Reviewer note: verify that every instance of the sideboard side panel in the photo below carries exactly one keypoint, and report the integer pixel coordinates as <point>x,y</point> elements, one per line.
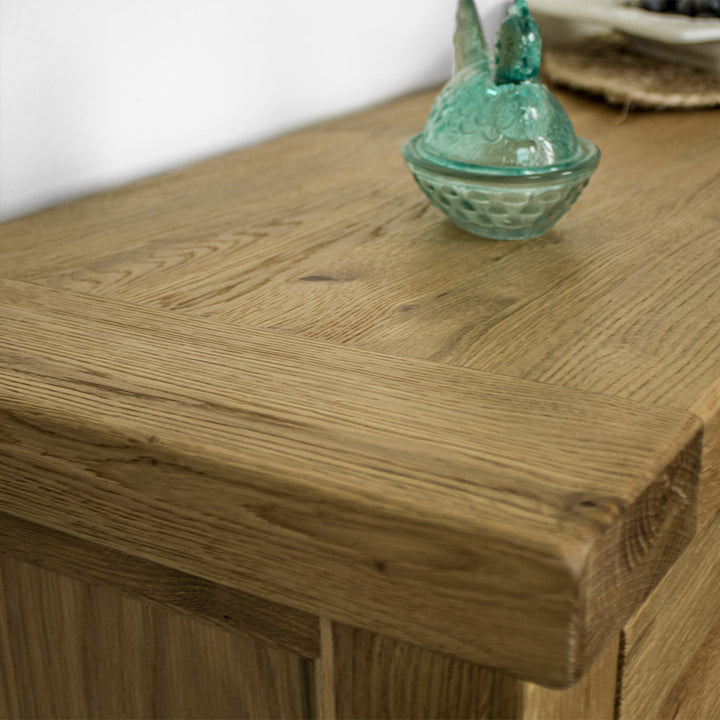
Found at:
<point>377,677</point>
<point>592,697</point>
<point>674,630</point>
<point>695,693</point>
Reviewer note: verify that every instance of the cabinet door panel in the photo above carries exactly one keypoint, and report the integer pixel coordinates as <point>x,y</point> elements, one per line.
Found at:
<point>72,650</point>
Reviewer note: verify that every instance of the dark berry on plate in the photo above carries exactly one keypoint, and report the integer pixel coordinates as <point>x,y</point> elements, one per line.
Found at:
<point>687,7</point>
<point>694,8</point>
<point>656,5</point>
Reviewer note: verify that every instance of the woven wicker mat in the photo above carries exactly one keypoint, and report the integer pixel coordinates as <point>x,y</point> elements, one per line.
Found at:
<point>609,67</point>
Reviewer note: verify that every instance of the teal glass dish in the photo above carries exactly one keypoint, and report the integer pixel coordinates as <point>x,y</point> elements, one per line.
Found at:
<point>498,155</point>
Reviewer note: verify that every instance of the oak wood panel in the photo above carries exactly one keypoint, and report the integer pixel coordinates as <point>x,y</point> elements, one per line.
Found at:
<point>354,247</point>
<point>511,523</point>
<point>176,205</point>
<point>102,566</point>
<point>71,650</point>
<point>376,677</point>
<point>606,289</point>
<point>591,698</point>
<point>324,234</point>
<point>245,196</point>
<point>673,634</point>
<point>696,693</point>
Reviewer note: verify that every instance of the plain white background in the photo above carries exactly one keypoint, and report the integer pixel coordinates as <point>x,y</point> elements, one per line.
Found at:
<point>96,93</point>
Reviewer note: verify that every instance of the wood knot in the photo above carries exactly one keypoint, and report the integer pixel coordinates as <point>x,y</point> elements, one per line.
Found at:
<point>319,278</point>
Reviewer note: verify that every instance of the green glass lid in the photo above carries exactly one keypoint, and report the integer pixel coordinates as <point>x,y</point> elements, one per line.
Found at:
<point>497,113</point>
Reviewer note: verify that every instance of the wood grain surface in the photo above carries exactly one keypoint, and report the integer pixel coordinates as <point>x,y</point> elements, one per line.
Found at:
<point>695,694</point>
<point>511,523</point>
<point>671,648</point>
<point>379,678</point>
<point>592,698</point>
<point>177,393</point>
<point>324,234</point>
<point>101,566</point>
<point>71,650</point>
<point>376,677</point>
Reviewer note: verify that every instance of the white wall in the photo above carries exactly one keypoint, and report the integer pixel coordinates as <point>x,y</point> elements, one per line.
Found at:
<point>95,93</point>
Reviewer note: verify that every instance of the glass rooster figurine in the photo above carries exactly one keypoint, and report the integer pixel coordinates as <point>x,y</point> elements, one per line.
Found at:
<point>498,154</point>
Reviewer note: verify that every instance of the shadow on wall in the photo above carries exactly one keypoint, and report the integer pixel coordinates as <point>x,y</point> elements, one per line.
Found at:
<point>97,94</point>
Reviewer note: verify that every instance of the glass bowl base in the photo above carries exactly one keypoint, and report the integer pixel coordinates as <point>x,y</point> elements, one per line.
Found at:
<point>498,213</point>
<point>503,206</point>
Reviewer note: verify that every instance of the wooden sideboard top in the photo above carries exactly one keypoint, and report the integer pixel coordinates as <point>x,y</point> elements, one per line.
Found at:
<point>282,372</point>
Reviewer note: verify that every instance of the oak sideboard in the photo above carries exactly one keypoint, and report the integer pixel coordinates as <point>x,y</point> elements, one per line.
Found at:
<point>279,441</point>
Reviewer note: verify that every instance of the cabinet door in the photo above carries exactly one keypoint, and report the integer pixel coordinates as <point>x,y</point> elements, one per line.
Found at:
<point>69,649</point>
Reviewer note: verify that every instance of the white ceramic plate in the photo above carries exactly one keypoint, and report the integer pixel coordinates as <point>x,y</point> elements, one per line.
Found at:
<point>659,27</point>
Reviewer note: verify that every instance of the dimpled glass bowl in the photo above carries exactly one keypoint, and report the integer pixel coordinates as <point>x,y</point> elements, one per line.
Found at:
<point>492,203</point>
<point>498,155</point>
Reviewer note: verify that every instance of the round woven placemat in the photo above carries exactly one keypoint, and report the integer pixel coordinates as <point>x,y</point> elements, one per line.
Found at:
<point>608,66</point>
